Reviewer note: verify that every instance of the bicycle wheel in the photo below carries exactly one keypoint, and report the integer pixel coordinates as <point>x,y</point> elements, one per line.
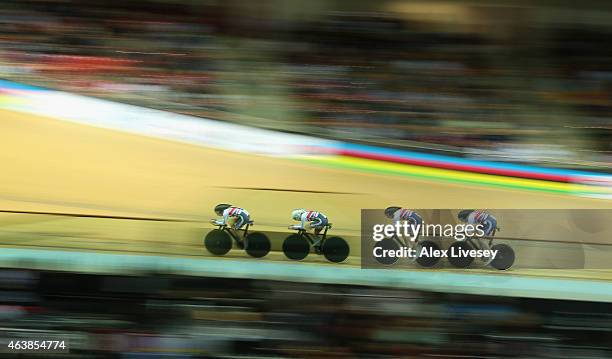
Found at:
<point>295,247</point>
<point>387,244</point>
<point>257,244</point>
<point>427,261</point>
<point>335,249</point>
<point>459,261</point>
<point>218,242</point>
<point>504,258</point>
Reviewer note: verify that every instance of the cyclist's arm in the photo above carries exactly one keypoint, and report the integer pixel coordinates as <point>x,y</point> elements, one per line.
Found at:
<point>303,220</point>
<point>225,216</point>
<point>396,216</point>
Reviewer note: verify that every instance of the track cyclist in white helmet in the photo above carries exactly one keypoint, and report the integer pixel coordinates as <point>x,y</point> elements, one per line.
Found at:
<point>309,220</point>
<point>232,216</point>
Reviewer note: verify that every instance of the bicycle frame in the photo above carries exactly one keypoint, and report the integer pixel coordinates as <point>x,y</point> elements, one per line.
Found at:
<point>232,232</point>
<point>475,242</point>
<point>311,237</point>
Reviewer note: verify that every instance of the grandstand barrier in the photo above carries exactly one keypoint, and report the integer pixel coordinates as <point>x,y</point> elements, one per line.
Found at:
<point>434,281</point>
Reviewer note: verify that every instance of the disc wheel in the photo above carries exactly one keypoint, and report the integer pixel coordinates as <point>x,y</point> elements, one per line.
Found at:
<point>427,260</point>
<point>295,247</point>
<point>218,242</point>
<point>504,258</point>
<point>257,244</point>
<point>335,249</point>
<point>459,261</point>
<point>387,244</point>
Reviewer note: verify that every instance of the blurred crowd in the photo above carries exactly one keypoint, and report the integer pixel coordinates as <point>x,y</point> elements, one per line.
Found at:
<point>159,316</point>
<point>521,83</point>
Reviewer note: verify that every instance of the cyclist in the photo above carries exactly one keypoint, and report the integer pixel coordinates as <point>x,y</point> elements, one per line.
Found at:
<point>398,214</point>
<point>479,217</point>
<point>489,227</point>
<point>232,216</point>
<point>309,220</point>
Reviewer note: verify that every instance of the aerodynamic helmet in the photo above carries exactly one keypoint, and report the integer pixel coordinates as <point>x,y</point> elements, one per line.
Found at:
<point>464,214</point>
<point>296,214</point>
<point>221,207</point>
<point>389,211</point>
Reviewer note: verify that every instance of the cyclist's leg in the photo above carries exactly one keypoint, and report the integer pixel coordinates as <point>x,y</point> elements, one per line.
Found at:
<point>484,243</point>
<point>231,226</point>
<point>316,225</point>
<point>241,220</point>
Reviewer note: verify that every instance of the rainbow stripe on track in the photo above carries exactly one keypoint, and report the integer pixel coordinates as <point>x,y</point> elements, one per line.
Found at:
<point>456,176</point>
<point>468,165</point>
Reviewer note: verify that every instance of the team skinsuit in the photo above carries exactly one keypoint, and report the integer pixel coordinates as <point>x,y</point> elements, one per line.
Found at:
<point>479,217</point>
<point>404,214</point>
<point>316,220</point>
<point>399,214</point>
<point>488,223</point>
<point>234,217</point>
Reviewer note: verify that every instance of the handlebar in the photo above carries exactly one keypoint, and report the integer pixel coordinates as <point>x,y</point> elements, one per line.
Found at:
<point>214,221</point>
<point>296,227</point>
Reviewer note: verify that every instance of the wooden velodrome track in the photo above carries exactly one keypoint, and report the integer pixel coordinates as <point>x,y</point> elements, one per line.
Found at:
<point>51,166</point>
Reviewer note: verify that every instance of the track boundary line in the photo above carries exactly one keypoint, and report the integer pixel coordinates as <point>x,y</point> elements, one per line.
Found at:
<point>287,190</point>
<point>84,215</point>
